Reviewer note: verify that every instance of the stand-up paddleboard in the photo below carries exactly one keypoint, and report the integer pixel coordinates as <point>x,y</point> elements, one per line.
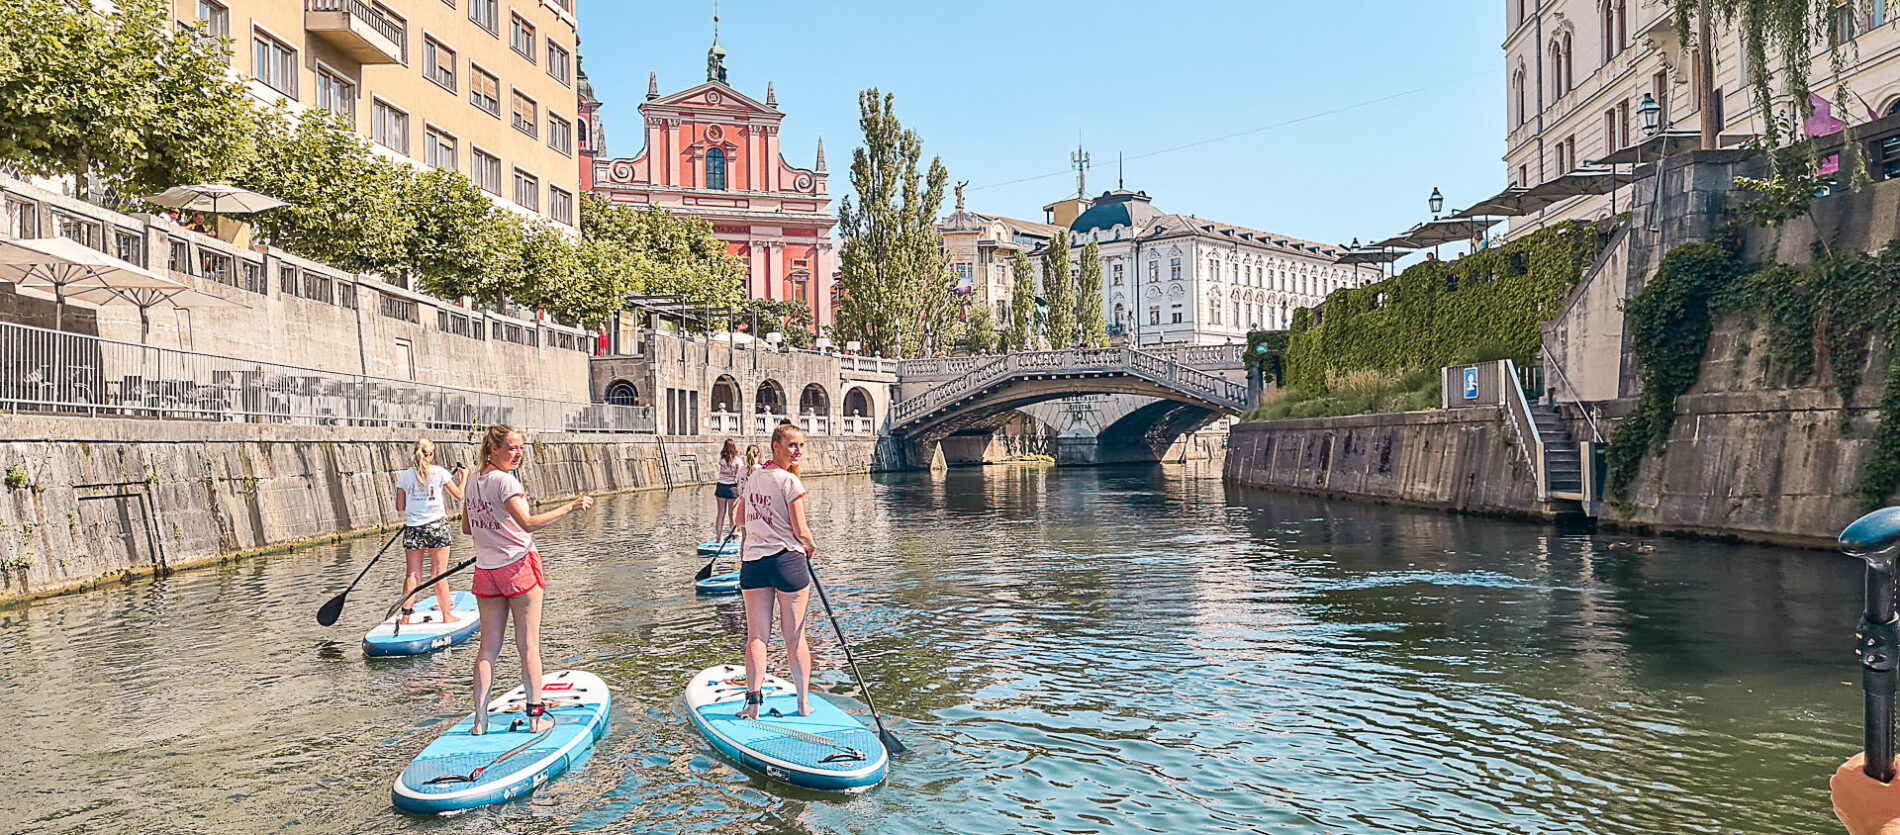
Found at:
<point>458,771</point>
<point>714,546</point>
<point>727,583</point>
<point>427,630</point>
<point>830,749</point>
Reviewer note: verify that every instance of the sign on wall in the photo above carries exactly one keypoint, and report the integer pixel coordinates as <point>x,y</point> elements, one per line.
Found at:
<point>1471,384</point>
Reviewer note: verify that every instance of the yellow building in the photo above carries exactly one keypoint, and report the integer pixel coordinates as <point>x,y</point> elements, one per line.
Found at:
<point>485,87</point>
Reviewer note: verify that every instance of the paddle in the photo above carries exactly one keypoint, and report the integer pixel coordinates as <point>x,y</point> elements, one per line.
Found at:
<point>327,615</point>
<point>706,570</point>
<point>424,586</point>
<point>477,773</point>
<point>1873,538</point>
<point>890,742</point>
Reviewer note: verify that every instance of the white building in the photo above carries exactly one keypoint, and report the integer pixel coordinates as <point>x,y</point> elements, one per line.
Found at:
<point>1170,278</point>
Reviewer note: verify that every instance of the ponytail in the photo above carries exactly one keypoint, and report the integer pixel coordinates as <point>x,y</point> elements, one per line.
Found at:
<point>425,450</point>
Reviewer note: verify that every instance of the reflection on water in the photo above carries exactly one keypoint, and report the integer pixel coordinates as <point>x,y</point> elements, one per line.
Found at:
<point>1072,651</point>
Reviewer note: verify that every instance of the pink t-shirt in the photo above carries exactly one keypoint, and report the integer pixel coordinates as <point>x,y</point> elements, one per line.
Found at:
<point>768,495</point>
<point>499,540</point>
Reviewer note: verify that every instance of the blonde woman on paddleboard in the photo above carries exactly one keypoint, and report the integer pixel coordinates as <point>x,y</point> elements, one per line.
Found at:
<point>508,577</point>
<point>774,571</point>
<point>425,529</point>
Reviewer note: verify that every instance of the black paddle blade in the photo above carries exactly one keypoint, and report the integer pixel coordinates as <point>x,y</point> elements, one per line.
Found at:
<point>327,615</point>
<point>705,570</point>
<point>890,743</point>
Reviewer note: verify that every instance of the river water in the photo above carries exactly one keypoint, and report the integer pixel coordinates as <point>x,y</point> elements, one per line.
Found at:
<point>1107,650</point>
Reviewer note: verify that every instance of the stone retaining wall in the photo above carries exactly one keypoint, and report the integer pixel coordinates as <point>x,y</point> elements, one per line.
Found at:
<point>88,500</point>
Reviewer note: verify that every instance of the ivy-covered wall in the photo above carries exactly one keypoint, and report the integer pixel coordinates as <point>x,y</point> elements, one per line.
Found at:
<point>1493,301</point>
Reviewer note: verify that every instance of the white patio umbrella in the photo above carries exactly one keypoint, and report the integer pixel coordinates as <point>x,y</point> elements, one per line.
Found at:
<point>69,270</point>
<point>216,198</point>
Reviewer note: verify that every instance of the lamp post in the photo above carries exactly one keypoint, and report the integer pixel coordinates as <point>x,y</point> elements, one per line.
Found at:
<point>1437,202</point>
<point>1652,126</point>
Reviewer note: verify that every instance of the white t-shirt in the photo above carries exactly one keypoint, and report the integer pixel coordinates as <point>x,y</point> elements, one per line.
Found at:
<point>499,540</point>
<point>424,501</point>
<point>768,497</point>
<point>729,471</point>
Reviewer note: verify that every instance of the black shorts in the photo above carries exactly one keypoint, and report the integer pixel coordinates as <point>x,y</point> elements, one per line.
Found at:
<point>726,491</point>
<point>786,571</point>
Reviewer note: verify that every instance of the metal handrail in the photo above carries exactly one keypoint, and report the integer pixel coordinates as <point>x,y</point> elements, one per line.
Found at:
<point>1512,394</point>
<point>1550,361</point>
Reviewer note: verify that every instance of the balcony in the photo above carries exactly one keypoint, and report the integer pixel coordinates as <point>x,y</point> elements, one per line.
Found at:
<point>357,29</point>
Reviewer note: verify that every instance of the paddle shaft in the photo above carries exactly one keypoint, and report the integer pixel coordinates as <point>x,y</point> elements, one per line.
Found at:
<point>1877,641</point>
<point>883,734</point>
<point>426,584</point>
<point>372,561</point>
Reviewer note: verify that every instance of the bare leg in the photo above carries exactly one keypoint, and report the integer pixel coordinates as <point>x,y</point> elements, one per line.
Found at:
<point>758,631</point>
<point>527,611</point>
<point>791,618</point>
<point>719,521</point>
<point>438,563</point>
<point>412,578</point>
<point>494,631</point>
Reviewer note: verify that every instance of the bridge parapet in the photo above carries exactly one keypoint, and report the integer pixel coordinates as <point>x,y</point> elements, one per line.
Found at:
<point>1215,391</point>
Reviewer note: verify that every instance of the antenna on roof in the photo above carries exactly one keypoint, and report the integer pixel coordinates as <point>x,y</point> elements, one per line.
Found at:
<point>1118,172</point>
<point>1080,162</point>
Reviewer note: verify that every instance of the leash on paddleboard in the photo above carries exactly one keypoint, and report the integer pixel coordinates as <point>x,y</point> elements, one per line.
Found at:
<point>706,570</point>
<point>890,742</point>
<point>1873,538</point>
<point>328,613</point>
<point>426,584</point>
<point>477,773</point>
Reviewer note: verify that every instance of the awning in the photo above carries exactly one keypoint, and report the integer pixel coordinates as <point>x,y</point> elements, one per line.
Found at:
<point>1448,230</point>
<point>1672,142</point>
<point>70,271</point>
<point>1369,256</point>
<point>1583,181</point>
<point>1510,202</point>
<point>1403,240</point>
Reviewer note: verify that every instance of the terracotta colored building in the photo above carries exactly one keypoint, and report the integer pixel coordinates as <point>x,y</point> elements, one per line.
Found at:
<point>713,152</point>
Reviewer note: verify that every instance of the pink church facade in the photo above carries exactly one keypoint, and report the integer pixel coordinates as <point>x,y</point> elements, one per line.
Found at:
<point>713,152</point>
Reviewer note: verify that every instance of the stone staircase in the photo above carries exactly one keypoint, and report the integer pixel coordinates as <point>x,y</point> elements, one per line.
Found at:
<point>1563,458</point>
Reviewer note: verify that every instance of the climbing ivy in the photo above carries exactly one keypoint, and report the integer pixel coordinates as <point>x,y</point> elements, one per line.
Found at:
<point>1493,301</point>
<point>1271,362</point>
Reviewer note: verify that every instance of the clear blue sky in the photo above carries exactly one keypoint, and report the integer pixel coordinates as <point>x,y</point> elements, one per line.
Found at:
<point>1392,97</point>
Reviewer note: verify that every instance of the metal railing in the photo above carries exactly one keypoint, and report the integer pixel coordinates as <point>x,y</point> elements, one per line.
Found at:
<point>55,372</point>
<point>1550,362</point>
<point>1518,410</point>
<point>1156,369</point>
<point>357,8</point>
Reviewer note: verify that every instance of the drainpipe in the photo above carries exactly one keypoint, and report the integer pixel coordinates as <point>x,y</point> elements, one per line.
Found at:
<point>1537,50</point>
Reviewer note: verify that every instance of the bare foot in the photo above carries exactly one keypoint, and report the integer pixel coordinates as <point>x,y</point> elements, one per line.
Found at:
<point>540,723</point>
<point>480,727</point>
<point>750,712</point>
<point>804,706</point>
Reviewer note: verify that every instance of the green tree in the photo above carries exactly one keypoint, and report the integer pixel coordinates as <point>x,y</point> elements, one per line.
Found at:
<point>678,254</point>
<point>892,271</point>
<point>1058,291</point>
<point>346,206</point>
<point>790,317</point>
<point>1778,39</point>
<point>981,329</point>
<point>1021,335</point>
<point>126,97</point>
<point>1090,320</point>
<point>450,244</point>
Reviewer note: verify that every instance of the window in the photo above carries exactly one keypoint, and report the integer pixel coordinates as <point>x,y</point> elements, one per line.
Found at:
<point>390,128</point>
<point>525,109</point>
<point>177,256</point>
<point>557,62</point>
<point>1154,271</point>
<point>1517,97</point>
<point>215,265</point>
<point>287,280</point>
<point>560,135</point>
<point>484,13</point>
<point>1615,28</point>
<point>397,308</point>
<point>486,170</point>
<point>1846,21</point>
<point>1154,315</point>
<point>1175,315</point>
<point>716,169</point>
<point>1117,271</point>
<point>1174,269</point>
<point>484,90</point>
<point>527,190</point>
<point>561,206</point>
<point>129,246</point>
<point>346,295</point>
<point>274,64</point>
<point>581,125</point>
<point>1524,176</point>
<point>521,36</point>
<point>23,219</point>
<point>336,95</point>
<point>254,279</point>
<point>439,149</point>
<point>438,63</point>
<point>1609,131</point>
<point>1623,124</point>
<point>216,20</point>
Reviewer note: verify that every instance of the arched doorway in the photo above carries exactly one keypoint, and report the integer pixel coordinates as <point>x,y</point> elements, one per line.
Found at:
<point>814,409</point>
<point>770,399</point>
<point>725,415</point>
<point>859,415</point>
<point>622,393</point>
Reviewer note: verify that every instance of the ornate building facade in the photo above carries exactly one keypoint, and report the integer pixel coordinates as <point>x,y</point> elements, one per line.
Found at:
<point>713,152</point>
<point>982,249</point>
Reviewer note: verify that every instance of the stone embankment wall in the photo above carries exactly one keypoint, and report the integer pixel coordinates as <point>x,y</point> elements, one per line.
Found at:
<point>1463,460</point>
<point>92,500</point>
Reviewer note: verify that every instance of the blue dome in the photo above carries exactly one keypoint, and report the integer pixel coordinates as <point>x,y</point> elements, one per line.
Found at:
<point>1116,208</point>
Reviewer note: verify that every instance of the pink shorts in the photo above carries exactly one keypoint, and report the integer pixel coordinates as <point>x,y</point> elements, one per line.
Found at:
<point>516,578</point>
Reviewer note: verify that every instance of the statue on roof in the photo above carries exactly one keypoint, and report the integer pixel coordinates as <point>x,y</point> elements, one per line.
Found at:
<point>960,185</point>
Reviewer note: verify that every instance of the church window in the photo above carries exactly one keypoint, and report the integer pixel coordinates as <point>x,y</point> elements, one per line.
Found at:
<point>1154,270</point>
<point>716,169</point>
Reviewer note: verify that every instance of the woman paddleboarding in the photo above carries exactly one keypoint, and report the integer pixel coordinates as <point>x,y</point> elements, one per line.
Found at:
<point>773,567</point>
<point>508,576</point>
<point>425,531</point>
<point>727,490</point>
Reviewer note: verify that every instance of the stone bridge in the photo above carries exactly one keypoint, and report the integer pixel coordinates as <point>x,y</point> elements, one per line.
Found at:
<point>1174,391</point>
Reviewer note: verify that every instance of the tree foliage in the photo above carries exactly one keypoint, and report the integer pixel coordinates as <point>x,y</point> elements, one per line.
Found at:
<point>980,329</point>
<point>678,253</point>
<point>126,97</point>
<point>790,317</point>
<point>1091,319</point>
<point>346,204</point>
<point>1058,292</point>
<point>892,273</point>
<point>1778,41</point>
<point>1021,335</point>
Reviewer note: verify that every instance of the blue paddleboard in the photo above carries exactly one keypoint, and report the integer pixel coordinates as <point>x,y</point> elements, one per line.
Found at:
<point>426,631</point>
<point>713,546</point>
<point>829,750</point>
<point>458,771</point>
<point>727,583</point>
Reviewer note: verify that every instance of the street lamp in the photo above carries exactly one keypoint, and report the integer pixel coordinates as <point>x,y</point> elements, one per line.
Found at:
<point>1651,113</point>
<point>1437,202</point>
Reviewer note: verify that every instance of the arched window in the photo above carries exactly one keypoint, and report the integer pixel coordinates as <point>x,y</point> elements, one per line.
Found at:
<point>1893,108</point>
<point>582,133</point>
<point>716,169</point>
<point>1556,70</point>
<point>622,393</point>
<point>1570,64</point>
<point>1517,96</point>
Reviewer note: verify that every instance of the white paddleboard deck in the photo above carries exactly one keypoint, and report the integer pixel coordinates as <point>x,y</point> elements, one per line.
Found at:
<point>427,630</point>
<point>829,750</point>
<point>444,777</point>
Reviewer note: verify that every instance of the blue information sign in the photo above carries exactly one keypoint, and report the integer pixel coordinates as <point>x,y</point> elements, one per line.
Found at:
<point>1471,384</point>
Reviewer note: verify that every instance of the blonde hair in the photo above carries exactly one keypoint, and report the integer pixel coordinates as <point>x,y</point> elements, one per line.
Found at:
<point>495,438</point>
<point>425,450</point>
<point>751,457</point>
<point>778,435</point>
